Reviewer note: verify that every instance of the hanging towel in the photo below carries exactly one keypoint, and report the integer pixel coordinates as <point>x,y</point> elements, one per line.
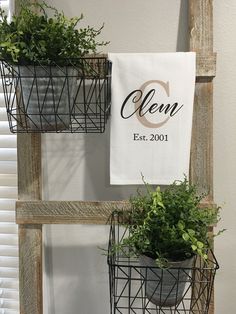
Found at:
<point>151,116</point>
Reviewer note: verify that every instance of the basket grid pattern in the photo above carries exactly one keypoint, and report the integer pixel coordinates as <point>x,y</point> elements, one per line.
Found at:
<point>130,282</point>
<point>64,96</point>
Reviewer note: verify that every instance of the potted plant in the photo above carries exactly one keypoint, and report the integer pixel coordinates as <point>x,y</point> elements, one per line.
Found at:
<point>167,229</point>
<point>44,48</point>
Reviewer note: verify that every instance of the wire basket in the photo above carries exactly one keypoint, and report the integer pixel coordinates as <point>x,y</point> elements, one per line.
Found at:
<point>139,288</point>
<point>64,96</point>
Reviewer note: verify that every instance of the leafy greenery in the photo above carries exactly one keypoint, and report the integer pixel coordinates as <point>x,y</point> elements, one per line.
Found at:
<point>34,36</point>
<point>169,225</point>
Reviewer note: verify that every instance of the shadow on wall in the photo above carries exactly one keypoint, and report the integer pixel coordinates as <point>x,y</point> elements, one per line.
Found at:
<point>182,35</point>
<point>77,273</point>
<point>71,159</point>
<point>97,178</point>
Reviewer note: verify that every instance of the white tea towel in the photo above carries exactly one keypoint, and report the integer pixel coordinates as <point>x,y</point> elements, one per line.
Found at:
<point>151,116</point>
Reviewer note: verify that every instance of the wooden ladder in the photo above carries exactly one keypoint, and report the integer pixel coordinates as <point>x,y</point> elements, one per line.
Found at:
<point>32,212</point>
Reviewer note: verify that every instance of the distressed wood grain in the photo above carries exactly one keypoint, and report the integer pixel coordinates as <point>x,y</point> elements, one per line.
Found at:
<point>29,166</point>
<point>67,212</point>
<point>201,41</point>
<point>201,26</point>
<point>201,165</point>
<point>30,276</point>
<point>205,65</point>
<point>30,236</point>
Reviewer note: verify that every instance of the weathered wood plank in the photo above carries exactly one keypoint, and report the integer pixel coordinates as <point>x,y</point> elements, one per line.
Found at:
<point>30,237</point>
<point>30,277</point>
<point>29,166</point>
<point>67,212</point>
<point>201,170</point>
<point>201,41</point>
<point>205,65</point>
<point>201,26</point>
<point>70,212</point>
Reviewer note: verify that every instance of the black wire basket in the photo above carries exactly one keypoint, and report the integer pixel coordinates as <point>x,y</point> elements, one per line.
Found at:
<point>64,96</point>
<point>141,288</point>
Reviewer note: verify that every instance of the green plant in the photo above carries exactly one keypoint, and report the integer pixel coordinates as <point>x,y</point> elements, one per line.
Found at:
<point>169,225</point>
<point>33,35</point>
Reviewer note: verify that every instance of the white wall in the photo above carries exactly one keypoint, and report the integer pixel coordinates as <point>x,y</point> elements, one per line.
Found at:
<point>77,166</point>
<point>225,151</point>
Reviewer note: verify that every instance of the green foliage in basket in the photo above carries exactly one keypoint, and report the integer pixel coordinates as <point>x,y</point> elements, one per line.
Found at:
<point>169,224</point>
<point>34,36</point>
